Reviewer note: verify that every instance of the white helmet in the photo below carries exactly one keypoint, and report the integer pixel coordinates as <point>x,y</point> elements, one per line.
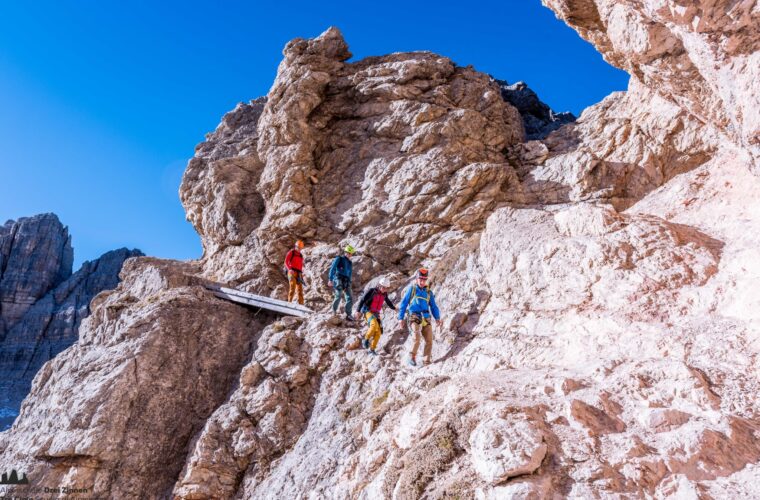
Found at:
<point>384,282</point>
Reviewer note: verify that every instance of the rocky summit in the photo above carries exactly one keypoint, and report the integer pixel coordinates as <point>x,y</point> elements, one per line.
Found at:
<point>41,302</point>
<point>597,280</point>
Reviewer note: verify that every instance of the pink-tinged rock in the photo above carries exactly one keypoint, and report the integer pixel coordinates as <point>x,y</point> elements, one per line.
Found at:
<point>662,420</point>
<point>596,421</point>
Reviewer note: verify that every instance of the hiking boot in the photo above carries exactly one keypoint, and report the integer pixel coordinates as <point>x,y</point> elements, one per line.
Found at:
<point>349,319</point>
<point>365,343</point>
<point>372,352</point>
<point>412,362</point>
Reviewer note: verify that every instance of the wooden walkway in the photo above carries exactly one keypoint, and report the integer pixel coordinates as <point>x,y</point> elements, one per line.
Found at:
<point>260,302</point>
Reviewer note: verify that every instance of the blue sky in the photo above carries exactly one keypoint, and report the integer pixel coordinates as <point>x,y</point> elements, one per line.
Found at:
<point>103,102</point>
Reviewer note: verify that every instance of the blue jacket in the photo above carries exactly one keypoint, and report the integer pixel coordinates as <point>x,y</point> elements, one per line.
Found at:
<point>341,267</point>
<point>420,304</point>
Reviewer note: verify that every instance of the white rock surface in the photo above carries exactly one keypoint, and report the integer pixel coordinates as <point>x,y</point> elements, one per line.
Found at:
<point>503,448</point>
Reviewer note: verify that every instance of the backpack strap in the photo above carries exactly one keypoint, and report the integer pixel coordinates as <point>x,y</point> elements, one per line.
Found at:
<point>415,297</point>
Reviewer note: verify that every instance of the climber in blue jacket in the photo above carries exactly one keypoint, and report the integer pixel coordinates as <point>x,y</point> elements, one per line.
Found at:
<point>340,279</point>
<point>420,301</point>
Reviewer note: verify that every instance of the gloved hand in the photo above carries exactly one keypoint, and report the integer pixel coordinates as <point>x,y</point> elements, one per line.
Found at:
<point>402,324</point>
<point>330,284</point>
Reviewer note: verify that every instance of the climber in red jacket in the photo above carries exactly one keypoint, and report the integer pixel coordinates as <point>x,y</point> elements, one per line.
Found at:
<point>371,306</point>
<point>294,266</point>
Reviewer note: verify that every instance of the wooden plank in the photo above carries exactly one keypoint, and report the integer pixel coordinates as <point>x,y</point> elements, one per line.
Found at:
<point>259,301</point>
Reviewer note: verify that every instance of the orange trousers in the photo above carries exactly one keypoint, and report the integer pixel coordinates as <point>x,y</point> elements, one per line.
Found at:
<point>295,286</point>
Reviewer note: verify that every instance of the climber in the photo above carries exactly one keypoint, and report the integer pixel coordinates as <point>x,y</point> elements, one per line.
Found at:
<point>371,305</point>
<point>420,300</point>
<point>294,266</point>
<point>340,278</point>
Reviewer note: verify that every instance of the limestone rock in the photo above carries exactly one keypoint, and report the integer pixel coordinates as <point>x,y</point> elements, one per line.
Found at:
<point>617,151</point>
<point>35,257</point>
<point>51,324</point>
<point>538,118</point>
<point>501,449</point>
<point>701,55</point>
<point>41,302</point>
<point>154,359</point>
<point>372,133</point>
<point>595,420</point>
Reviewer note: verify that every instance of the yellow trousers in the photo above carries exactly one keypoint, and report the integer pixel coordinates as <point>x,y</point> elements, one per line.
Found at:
<point>374,331</point>
<point>295,283</point>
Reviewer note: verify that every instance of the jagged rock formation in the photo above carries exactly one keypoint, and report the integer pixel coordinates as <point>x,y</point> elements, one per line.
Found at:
<point>538,118</point>
<point>600,320</point>
<point>42,303</point>
<point>35,257</point>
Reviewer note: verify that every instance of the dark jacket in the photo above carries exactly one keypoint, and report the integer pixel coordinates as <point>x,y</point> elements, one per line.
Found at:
<point>340,271</point>
<point>369,296</point>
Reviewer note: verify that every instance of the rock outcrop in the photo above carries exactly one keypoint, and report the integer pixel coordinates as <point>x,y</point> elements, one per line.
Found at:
<point>701,55</point>
<point>42,303</point>
<point>538,118</point>
<point>35,257</point>
<point>600,326</point>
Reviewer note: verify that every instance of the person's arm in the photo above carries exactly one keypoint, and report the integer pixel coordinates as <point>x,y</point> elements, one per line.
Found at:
<point>434,307</point>
<point>404,303</point>
<point>334,270</point>
<point>389,303</point>
<point>366,299</point>
<point>288,259</point>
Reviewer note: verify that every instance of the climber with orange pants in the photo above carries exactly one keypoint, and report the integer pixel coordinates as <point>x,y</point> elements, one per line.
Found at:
<point>371,306</point>
<point>294,266</point>
<point>420,301</point>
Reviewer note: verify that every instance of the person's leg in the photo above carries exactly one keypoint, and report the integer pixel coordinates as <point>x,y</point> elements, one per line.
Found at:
<point>378,332</point>
<point>427,332</point>
<point>299,288</point>
<point>336,300</point>
<point>415,347</point>
<point>292,282</point>
<point>349,299</point>
<point>373,332</point>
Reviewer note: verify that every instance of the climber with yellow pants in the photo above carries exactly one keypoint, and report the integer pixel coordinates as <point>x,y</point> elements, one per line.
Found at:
<point>420,301</point>
<point>294,267</point>
<point>371,306</point>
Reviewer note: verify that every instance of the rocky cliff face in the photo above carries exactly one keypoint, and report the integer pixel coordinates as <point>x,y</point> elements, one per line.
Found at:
<point>600,321</point>
<point>42,303</point>
<point>35,257</point>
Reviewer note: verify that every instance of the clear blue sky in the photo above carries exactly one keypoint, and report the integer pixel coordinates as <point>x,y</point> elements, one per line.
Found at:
<point>103,102</point>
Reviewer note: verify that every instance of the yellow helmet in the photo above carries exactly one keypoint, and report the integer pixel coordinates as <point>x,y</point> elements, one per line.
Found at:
<point>350,249</point>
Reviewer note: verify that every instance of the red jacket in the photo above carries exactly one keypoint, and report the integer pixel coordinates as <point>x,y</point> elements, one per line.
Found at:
<point>294,260</point>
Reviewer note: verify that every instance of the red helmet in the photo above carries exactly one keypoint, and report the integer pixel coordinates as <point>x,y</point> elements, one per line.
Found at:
<point>422,273</point>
